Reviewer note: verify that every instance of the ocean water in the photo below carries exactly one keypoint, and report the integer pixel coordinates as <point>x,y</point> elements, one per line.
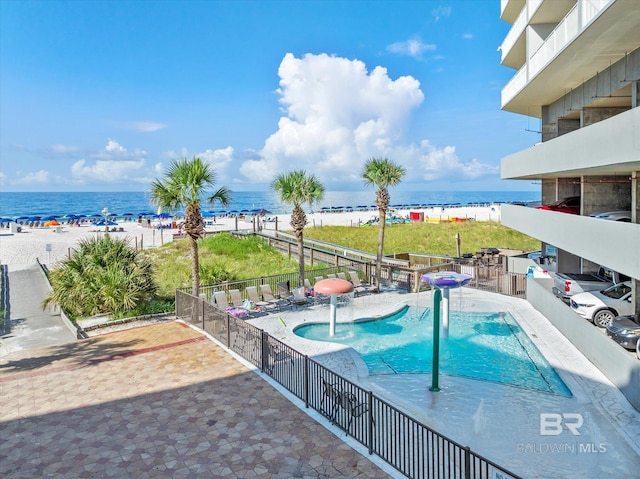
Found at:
<point>13,205</point>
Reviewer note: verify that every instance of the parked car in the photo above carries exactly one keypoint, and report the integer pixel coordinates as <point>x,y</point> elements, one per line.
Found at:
<point>569,205</point>
<point>625,331</point>
<point>600,307</point>
<point>620,215</point>
<point>566,285</point>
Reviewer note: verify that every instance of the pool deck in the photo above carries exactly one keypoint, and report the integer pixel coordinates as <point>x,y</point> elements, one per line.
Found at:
<point>500,422</point>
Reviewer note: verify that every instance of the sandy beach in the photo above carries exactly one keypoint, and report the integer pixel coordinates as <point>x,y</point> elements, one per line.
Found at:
<point>52,244</point>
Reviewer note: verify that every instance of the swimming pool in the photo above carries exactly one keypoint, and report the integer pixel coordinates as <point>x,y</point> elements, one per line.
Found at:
<point>486,346</point>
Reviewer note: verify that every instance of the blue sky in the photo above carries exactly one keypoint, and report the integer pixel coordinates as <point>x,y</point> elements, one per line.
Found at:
<point>102,95</point>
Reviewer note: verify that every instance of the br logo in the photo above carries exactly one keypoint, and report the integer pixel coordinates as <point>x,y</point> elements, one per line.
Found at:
<point>552,424</point>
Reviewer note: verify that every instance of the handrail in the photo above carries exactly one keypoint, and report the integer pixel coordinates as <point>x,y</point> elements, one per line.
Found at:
<point>358,412</point>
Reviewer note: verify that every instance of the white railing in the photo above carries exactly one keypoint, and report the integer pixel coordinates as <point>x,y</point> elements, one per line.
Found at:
<point>513,87</point>
<point>574,22</point>
<point>516,30</point>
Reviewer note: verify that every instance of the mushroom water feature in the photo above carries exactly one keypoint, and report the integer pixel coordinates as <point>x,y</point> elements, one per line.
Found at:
<point>443,281</point>
<point>333,287</point>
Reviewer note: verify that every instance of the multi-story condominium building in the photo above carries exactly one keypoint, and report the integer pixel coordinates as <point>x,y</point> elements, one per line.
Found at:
<point>577,69</point>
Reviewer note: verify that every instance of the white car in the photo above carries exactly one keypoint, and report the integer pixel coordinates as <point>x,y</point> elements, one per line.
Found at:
<point>600,307</point>
<point>622,215</point>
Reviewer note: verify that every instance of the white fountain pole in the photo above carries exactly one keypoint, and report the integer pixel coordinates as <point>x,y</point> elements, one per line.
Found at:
<point>445,312</point>
<point>332,314</point>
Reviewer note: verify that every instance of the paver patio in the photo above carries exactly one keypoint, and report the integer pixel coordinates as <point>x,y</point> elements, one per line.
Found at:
<point>153,402</point>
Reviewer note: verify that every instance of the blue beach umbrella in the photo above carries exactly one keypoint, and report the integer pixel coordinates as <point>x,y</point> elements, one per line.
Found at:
<point>5,220</point>
<point>34,218</point>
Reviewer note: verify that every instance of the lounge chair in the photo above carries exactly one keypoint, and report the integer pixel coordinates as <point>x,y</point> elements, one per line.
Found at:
<point>358,287</point>
<point>269,297</point>
<point>307,283</point>
<point>319,278</point>
<point>331,276</point>
<point>236,298</point>
<point>342,276</point>
<point>284,291</point>
<point>252,294</point>
<point>299,298</point>
<point>223,304</point>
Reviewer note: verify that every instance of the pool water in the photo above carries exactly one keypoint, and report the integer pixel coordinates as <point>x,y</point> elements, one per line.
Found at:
<point>487,346</point>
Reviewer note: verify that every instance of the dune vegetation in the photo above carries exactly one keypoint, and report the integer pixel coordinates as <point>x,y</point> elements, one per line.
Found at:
<point>226,258</point>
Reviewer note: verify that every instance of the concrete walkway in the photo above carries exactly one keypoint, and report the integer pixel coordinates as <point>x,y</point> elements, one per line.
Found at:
<point>159,401</point>
<point>29,326</point>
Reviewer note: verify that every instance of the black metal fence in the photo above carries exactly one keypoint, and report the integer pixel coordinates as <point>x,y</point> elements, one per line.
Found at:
<point>411,447</point>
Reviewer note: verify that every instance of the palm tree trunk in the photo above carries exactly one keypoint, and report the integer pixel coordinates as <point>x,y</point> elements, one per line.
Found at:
<point>382,216</point>
<point>301,258</point>
<point>195,268</point>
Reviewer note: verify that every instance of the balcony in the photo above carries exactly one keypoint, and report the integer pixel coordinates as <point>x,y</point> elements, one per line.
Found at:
<point>599,241</point>
<point>589,38</point>
<point>609,147</point>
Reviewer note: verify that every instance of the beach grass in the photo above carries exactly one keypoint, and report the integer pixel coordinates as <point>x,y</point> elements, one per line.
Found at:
<point>427,238</point>
<point>224,257</point>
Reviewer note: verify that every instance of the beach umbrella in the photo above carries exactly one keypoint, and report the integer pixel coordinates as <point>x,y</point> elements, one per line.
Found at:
<point>96,215</point>
<point>22,218</point>
<point>5,220</point>
<point>35,218</point>
<point>207,214</point>
<point>50,218</point>
<point>263,211</point>
<point>52,223</point>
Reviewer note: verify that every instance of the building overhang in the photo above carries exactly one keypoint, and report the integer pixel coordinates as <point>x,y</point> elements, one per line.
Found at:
<point>600,241</point>
<point>608,148</point>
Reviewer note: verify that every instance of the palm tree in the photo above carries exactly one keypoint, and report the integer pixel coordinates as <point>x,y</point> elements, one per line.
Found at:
<point>382,173</point>
<point>296,188</point>
<point>184,185</point>
<point>104,275</point>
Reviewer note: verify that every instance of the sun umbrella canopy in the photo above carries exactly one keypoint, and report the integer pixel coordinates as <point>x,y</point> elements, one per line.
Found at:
<point>52,223</point>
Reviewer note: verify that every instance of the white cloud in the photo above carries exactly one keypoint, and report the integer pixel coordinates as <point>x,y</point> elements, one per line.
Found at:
<point>143,126</point>
<point>444,164</point>
<point>413,48</point>
<point>337,115</point>
<point>438,13</point>
<point>63,150</point>
<point>40,177</point>
<point>218,159</point>
<point>467,36</point>
<point>109,171</point>
<point>114,163</point>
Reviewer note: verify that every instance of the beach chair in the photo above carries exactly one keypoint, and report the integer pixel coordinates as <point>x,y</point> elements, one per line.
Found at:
<point>252,294</point>
<point>299,298</point>
<point>222,303</point>
<point>307,283</point>
<point>331,276</point>
<point>319,278</point>
<point>269,297</point>
<point>236,298</point>
<point>221,300</point>
<point>342,276</point>
<point>284,292</point>
<point>358,286</point>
